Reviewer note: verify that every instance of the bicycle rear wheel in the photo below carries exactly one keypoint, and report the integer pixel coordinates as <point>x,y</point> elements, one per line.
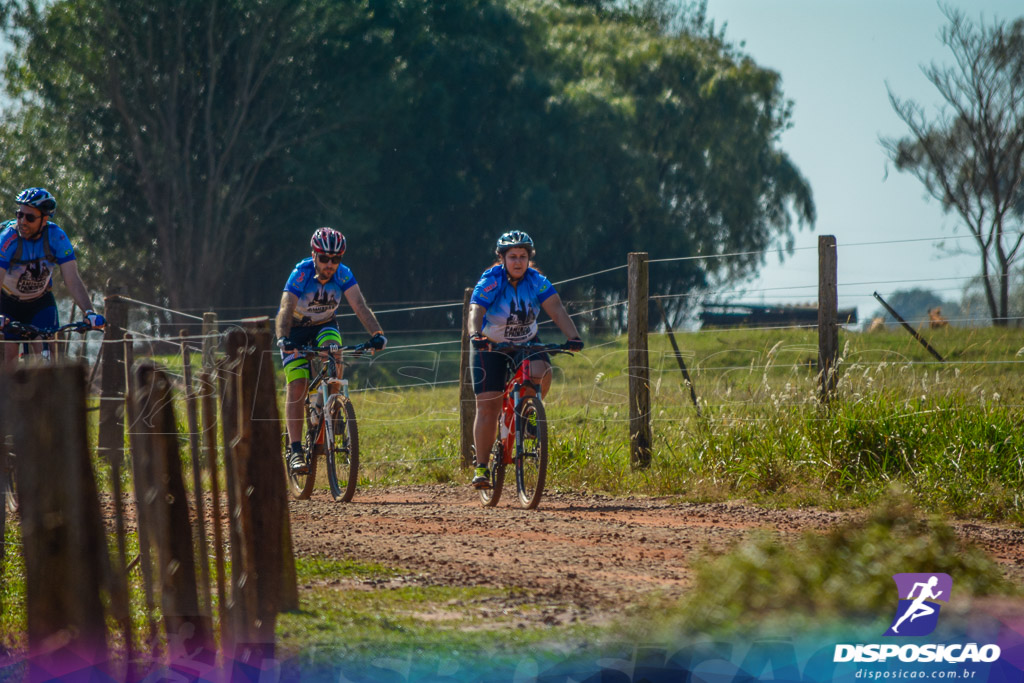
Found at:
<point>531,460</point>
<point>301,485</point>
<point>496,466</point>
<point>342,449</point>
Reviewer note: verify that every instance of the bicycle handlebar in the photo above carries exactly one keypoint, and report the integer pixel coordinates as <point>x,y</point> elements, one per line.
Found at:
<point>531,348</point>
<point>29,331</point>
<point>355,349</point>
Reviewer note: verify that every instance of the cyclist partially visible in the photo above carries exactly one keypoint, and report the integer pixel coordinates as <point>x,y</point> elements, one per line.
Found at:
<point>311,296</point>
<point>504,308</point>
<point>31,248</point>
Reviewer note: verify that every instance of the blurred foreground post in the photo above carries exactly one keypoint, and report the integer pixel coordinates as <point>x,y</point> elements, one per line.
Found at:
<point>63,540</point>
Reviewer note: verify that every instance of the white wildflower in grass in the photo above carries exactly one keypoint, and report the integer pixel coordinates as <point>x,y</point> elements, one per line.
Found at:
<point>995,397</point>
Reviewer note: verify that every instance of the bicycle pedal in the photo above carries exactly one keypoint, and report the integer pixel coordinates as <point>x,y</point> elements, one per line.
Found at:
<point>481,485</point>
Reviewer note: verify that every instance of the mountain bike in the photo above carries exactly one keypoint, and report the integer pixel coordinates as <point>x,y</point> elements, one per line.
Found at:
<point>330,428</point>
<point>522,430</point>
<point>28,332</point>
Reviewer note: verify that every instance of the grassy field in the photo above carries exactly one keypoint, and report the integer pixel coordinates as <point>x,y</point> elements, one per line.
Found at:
<point>946,432</point>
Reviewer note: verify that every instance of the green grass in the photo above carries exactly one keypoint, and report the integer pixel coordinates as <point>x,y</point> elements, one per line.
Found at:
<point>841,578</point>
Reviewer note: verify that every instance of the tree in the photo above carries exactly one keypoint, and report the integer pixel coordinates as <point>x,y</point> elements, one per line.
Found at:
<point>187,110</point>
<point>970,156</point>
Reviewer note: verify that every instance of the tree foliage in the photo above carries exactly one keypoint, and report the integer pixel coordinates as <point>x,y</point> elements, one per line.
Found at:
<point>970,156</point>
<point>214,136</point>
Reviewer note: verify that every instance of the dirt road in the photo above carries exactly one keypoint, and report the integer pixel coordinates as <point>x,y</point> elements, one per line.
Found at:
<point>589,556</point>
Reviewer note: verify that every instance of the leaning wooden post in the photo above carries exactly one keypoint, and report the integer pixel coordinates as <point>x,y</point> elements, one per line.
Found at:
<point>197,477</point>
<point>467,401</point>
<point>908,328</point>
<point>679,358</point>
<point>189,635</point>
<point>639,368</point>
<point>112,383</point>
<point>209,340</point>
<point>828,316</point>
<point>63,539</point>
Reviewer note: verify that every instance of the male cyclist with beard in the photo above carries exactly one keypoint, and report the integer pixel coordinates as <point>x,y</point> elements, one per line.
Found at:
<point>307,318</point>
<point>31,248</point>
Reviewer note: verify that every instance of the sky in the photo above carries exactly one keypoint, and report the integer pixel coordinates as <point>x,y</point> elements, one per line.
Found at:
<point>836,58</point>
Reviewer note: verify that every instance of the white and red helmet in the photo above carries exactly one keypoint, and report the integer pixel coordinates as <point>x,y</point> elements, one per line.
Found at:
<point>328,241</point>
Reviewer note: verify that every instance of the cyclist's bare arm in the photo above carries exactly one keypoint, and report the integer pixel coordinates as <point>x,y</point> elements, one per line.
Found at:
<point>285,315</point>
<point>355,299</point>
<point>475,320</point>
<point>73,281</point>
<point>554,308</point>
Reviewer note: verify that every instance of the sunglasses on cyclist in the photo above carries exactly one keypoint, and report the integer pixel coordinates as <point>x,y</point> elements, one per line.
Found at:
<point>324,258</point>
<point>27,217</point>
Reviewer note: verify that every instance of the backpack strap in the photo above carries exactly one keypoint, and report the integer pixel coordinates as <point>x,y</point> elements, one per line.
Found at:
<point>47,249</point>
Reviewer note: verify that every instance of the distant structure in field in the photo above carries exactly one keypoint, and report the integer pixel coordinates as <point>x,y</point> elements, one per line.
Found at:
<point>750,315</point>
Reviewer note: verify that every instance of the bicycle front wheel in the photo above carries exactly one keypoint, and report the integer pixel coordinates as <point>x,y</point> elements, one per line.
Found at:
<point>301,485</point>
<point>496,465</point>
<point>531,458</point>
<point>342,449</point>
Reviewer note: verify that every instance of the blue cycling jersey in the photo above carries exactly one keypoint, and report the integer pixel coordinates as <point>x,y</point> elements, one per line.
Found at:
<point>512,310</point>
<point>28,273</point>
<point>317,300</point>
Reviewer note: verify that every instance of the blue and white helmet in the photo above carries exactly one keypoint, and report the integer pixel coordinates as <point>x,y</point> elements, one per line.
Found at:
<point>512,239</point>
<point>38,198</point>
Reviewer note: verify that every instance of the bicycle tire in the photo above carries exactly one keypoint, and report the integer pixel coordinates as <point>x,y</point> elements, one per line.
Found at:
<point>496,466</point>
<point>342,452</point>
<point>301,485</point>
<point>531,459</point>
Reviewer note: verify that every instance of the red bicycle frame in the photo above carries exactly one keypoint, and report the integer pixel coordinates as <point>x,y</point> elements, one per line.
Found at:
<point>515,390</point>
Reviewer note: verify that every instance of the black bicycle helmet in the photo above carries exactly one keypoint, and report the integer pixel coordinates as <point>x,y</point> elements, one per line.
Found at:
<point>512,239</point>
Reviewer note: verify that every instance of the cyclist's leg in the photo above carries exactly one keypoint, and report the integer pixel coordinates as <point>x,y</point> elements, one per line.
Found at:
<point>296,373</point>
<point>540,370</point>
<point>489,371</point>
<point>46,315</point>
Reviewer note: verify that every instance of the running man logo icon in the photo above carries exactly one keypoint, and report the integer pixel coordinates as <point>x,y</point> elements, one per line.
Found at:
<point>918,611</point>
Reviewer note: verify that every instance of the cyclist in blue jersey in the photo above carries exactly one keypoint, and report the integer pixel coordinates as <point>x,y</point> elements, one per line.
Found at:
<point>504,308</point>
<point>311,296</point>
<point>31,248</point>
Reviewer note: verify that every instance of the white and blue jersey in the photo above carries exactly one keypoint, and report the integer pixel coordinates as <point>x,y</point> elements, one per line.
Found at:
<point>317,300</point>
<point>511,310</point>
<point>29,268</point>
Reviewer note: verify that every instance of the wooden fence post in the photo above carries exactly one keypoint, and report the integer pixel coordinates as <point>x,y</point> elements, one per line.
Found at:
<point>112,382</point>
<point>467,401</point>
<point>63,539</point>
<point>828,316</point>
<point>197,477</point>
<point>260,497</point>
<point>209,339</point>
<point>639,367</point>
<point>209,410</point>
<point>185,626</point>
<point>143,490</point>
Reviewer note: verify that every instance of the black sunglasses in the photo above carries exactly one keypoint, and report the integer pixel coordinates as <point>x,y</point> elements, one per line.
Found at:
<point>324,258</point>
<point>27,217</point>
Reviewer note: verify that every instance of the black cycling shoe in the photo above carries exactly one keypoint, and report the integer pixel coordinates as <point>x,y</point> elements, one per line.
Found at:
<point>297,464</point>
